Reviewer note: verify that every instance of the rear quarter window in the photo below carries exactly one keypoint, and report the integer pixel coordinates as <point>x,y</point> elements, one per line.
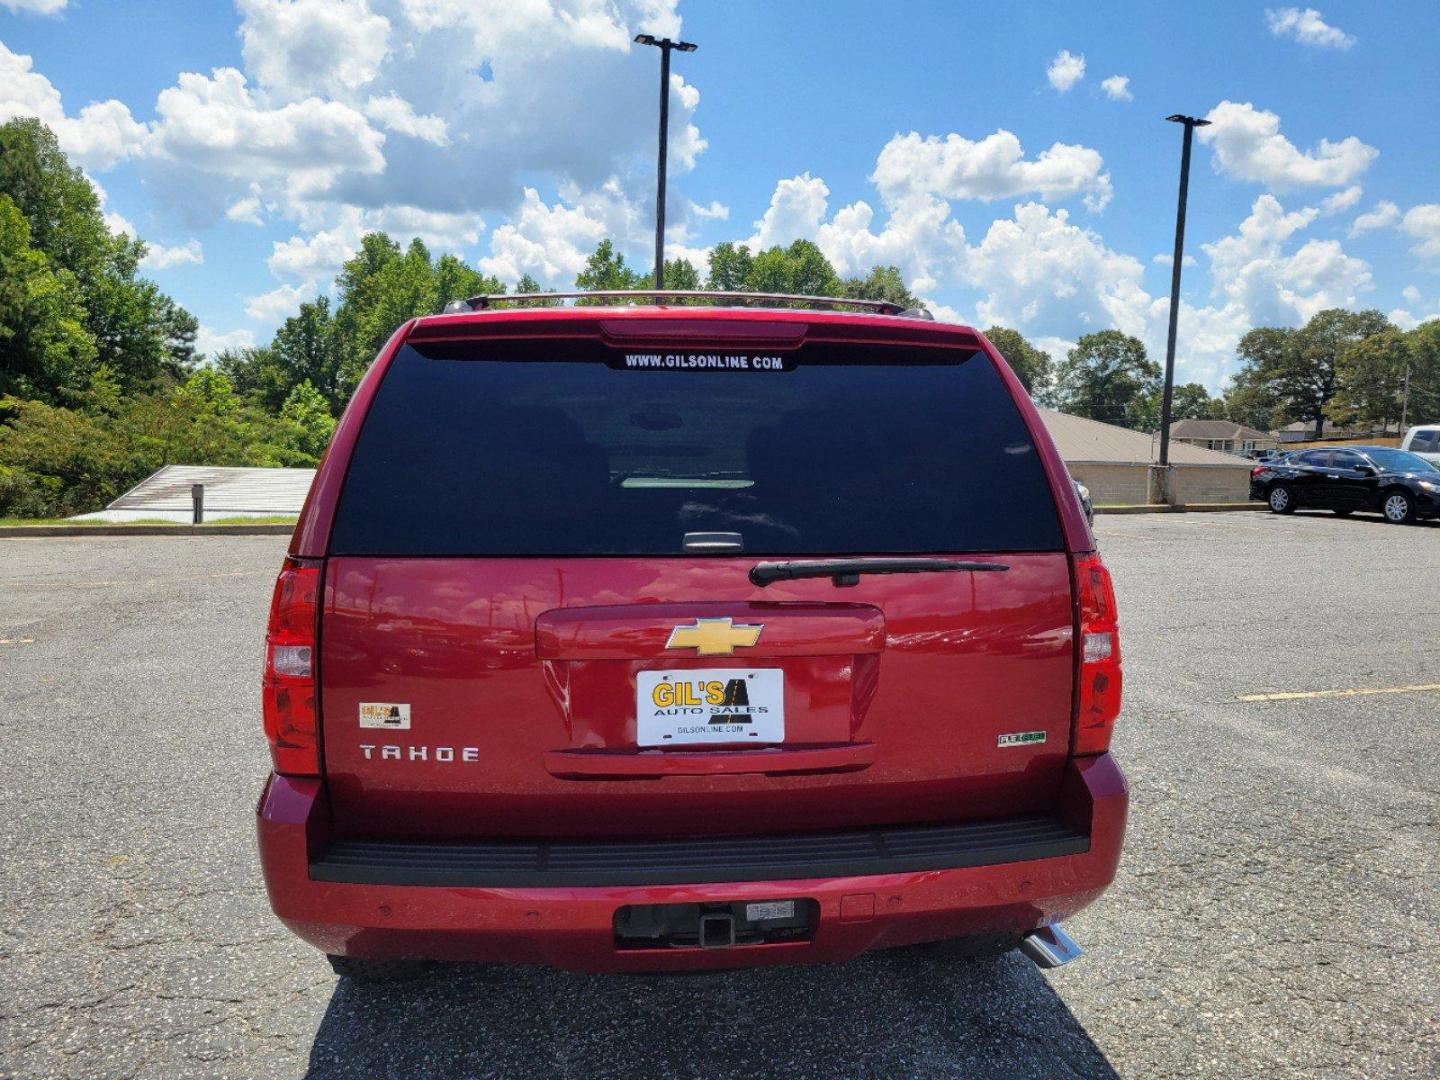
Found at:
<point>505,449</point>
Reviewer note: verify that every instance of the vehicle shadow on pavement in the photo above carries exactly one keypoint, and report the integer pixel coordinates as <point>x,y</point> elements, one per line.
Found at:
<point>898,1013</point>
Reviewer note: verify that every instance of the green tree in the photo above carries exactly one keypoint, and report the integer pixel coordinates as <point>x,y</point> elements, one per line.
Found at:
<point>528,284</point>
<point>456,281</point>
<point>1249,398</point>
<point>379,288</point>
<point>679,274</point>
<point>139,331</point>
<point>1423,347</point>
<point>56,461</point>
<point>729,267</point>
<point>1302,367</point>
<point>211,392</point>
<point>1108,377</point>
<point>258,375</point>
<point>605,270</point>
<point>801,269</point>
<point>56,199</point>
<point>306,349</point>
<point>883,283</point>
<point>1032,366</point>
<point>44,345</point>
<point>1191,401</point>
<point>1371,380</point>
<point>306,421</point>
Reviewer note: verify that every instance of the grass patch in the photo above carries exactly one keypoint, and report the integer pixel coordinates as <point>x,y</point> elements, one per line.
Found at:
<point>271,519</point>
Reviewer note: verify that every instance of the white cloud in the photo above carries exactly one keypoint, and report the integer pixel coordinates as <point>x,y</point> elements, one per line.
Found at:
<point>1041,271</point>
<point>102,134</point>
<point>1165,258</point>
<point>1306,27</point>
<point>1411,293</point>
<point>209,342</point>
<point>550,243</point>
<point>1248,146</point>
<point>1341,200</point>
<point>394,113</point>
<point>315,257</point>
<point>160,257</point>
<point>919,237</point>
<point>1065,70</point>
<point>1253,270</point>
<point>1117,88</point>
<point>1405,320</point>
<point>1385,214</point>
<point>1055,280</point>
<point>118,223</point>
<point>358,113</point>
<point>247,210</point>
<point>992,168</point>
<point>1423,223</point>
<point>37,7</point>
<point>278,304</point>
<point>796,209</point>
<point>440,229</point>
<point>215,125</point>
<point>296,48</point>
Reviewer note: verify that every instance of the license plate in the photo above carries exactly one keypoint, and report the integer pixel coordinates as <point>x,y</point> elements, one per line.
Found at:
<point>775,909</point>
<point>691,706</point>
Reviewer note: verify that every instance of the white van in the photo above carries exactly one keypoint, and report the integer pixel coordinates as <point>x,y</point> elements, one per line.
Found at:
<point>1423,441</point>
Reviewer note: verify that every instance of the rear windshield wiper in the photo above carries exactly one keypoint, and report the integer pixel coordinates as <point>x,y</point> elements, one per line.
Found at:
<point>847,571</point>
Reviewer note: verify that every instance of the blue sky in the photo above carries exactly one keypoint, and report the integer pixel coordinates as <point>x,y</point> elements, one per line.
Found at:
<point>1011,159</point>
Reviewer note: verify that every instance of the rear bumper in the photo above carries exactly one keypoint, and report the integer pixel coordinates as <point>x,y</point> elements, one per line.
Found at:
<point>572,925</point>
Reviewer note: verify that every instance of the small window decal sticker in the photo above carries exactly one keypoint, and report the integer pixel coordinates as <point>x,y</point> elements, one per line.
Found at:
<point>380,714</point>
<point>694,361</point>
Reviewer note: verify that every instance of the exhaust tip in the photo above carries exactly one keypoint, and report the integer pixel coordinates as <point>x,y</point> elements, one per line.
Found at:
<point>1050,947</point>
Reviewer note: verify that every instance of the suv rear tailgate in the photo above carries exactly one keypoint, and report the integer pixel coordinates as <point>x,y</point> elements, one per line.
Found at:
<point>921,674</point>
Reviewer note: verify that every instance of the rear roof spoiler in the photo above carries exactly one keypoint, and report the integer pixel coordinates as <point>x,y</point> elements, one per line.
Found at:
<point>879,307</point>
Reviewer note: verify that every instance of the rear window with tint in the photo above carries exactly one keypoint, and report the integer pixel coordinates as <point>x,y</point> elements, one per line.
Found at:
<point>575,448</point>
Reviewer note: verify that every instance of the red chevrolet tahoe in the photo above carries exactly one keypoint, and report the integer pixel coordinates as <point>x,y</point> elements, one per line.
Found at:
<point>675,638</point>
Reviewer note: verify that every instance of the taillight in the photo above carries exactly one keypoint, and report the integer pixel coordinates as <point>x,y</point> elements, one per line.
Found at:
<point>1098,660</point>
<point>290,670</point>
<point>1257,470</point>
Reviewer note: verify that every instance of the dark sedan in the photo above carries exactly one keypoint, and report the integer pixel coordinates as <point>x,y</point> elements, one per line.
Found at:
<point>1400,486</point>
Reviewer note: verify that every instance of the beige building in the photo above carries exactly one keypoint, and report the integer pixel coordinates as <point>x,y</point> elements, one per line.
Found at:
<point>1116,464</point>
<point>1224,435</point>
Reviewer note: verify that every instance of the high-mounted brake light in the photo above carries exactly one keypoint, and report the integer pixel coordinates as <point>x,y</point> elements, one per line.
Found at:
<point>1098,661</point>
<point>290,670</point>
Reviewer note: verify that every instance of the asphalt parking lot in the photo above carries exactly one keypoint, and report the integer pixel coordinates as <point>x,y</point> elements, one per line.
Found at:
<point>1275,913</point>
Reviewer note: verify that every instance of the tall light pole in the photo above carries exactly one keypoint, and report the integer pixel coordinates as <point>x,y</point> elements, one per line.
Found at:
<point>1166,399</point>
<point>664,45</point>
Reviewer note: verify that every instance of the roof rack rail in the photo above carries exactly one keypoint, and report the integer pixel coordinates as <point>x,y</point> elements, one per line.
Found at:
<point>480,303</point>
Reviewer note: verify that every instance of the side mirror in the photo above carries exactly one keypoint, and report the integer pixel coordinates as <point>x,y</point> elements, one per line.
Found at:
<point>1365,470</point>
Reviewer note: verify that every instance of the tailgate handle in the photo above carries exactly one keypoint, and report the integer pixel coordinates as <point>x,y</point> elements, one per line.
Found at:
<point>656,764</point>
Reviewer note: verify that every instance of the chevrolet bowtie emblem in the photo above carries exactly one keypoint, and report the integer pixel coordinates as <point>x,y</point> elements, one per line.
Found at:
<point>714,637</point>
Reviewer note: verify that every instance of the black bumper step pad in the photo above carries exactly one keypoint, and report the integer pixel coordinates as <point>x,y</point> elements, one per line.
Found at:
<point>520,863</point>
